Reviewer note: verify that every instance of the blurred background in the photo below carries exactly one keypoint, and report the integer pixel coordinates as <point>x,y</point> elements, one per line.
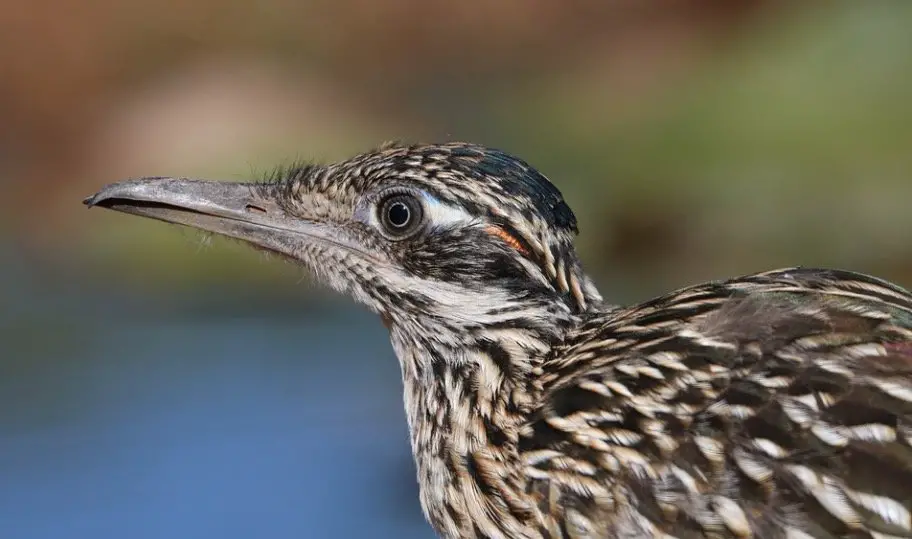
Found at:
<point>157,383</point>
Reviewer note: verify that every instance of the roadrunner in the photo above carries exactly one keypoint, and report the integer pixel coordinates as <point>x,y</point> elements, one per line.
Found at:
<point>774,405</point>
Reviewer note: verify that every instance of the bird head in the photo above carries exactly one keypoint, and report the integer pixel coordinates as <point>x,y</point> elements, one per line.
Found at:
<point>456,234</point>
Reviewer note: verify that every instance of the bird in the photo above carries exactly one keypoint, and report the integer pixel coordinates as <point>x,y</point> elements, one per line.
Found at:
<point>772,405</point>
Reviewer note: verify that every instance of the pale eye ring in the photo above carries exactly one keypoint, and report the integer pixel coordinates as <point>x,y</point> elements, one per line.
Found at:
<point>400,215</point>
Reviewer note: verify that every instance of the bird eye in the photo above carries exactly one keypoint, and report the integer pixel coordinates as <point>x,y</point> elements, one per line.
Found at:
<point>400,215</point>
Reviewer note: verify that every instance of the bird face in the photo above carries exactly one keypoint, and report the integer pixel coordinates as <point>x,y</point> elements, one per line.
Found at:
<point>453,232</point>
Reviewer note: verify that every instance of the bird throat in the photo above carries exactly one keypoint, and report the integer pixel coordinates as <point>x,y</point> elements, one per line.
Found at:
<point>465,404</point>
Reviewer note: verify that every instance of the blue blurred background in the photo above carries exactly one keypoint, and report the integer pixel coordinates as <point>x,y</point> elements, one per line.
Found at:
<point>158,383</point>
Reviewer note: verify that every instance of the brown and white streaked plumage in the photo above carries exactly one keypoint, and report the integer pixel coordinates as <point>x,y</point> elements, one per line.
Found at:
<point>775,405</point>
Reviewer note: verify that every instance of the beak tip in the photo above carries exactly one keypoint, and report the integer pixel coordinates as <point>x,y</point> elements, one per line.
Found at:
<point>125,188</point>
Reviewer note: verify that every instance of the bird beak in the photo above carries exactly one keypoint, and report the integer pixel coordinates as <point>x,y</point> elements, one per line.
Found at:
<point>238,210</point>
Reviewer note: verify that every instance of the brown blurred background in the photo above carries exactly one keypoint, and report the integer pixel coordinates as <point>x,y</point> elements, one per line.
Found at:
<point>695,139</point>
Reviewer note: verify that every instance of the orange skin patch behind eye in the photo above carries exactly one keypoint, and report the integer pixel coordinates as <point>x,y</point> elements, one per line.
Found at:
<point>506,237</point>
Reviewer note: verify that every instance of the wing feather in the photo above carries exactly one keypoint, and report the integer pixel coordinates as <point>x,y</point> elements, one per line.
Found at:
<point>772,405</point>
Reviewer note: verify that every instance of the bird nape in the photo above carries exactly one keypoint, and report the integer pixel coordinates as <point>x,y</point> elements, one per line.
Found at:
<point>773,405</point>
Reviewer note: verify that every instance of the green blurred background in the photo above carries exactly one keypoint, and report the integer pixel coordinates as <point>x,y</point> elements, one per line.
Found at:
<point>155,382</point>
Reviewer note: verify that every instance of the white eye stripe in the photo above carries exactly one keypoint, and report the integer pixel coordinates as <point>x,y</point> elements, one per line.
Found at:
<point>441,214</point>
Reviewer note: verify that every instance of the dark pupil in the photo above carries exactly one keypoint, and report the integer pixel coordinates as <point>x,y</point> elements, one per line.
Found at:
<point>398,214</point>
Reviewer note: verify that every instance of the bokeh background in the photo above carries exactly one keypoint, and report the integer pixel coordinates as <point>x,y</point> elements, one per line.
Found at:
<point>157,383</point>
